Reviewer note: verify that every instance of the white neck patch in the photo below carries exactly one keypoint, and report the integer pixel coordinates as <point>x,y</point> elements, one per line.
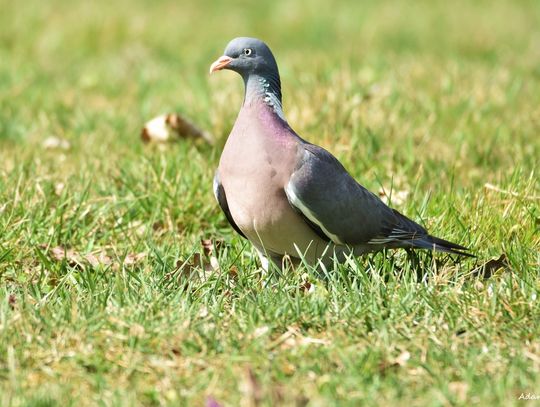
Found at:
<point>271,99</point>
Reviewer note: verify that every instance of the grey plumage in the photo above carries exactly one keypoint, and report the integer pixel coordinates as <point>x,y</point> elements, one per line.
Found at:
<point>219,193</point>
<point>288,196</point>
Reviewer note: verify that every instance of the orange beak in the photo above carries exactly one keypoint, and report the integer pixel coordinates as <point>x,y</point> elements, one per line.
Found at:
<point>220,63</point>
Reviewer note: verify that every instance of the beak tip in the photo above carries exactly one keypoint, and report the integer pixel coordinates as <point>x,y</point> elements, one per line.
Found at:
<point>220,63</point>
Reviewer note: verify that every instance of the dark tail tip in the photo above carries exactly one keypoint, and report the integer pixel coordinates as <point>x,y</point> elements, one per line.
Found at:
<point>448,247</point>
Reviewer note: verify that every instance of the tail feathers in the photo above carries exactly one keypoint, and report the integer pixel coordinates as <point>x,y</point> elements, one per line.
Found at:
<point>441,245</point>
<point>405,232</point>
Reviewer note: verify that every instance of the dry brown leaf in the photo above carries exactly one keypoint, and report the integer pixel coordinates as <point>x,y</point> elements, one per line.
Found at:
<point>211,246</point>
<point>210,250</point>
<point>59,188</point>
<point>133,258</point>
<point>489,268</point>
<point>75,259</point>
<point>99,259</point>
<point>194,269</point>
<point>200,266</point>
<point>55,143</point>
<point>305,286</point>
<point>288,368</point>
<point>12,301</point>
<point>202,261</point>
<point>400,361</point>
<point>158,225</point>
<point>169,127</point>
<point>92,259</point>
<point>233,272</point>
<point>207,246</point>
<point>71,257</point>
<point>184,272</point>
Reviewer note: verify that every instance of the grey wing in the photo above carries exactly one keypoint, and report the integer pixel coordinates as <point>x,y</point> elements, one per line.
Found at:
<point>219,193</point>
<point>333,203</point>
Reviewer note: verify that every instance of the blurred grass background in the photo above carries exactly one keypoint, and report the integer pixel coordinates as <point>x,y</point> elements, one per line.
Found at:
<point>432,98</point>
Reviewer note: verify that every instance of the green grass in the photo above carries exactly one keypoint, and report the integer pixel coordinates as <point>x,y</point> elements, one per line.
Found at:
<point>436,99</point>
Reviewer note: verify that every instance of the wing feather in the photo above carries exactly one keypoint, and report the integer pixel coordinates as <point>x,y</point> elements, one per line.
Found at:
<point>326,194</point>
<point>219,193</point>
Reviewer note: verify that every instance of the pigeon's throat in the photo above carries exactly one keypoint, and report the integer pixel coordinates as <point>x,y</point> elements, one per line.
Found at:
<point>265,89</point>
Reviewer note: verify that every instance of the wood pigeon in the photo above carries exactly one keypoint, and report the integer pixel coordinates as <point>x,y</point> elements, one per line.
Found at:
<point>290,197</point>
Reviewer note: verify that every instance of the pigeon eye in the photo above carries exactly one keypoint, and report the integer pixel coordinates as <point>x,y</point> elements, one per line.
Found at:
<point>248,51</point>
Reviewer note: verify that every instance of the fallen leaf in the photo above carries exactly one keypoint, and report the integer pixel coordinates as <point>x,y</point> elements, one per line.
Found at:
<point>133,258</point>
<point>71,257</point>
<point>200,266</point>
<point>185,128</point>
<point>158,225</point>
<point>397,362</point>
<point>12,301</point>
<point>210,263</point>
<point>182,271</point>
<point>288,368</point>
<point>199,260</point>
<point>208,247</point>
<point>168,127</point>
<point>156,130</point>
<point>55,143</point>
<point>306,286</point>
<point>233,272</point>
<point>402,359</point>
<point>101,259</point>
<point>193,269</point>
<point>92,259</point>
<point>58,188</point>
<point>489,268</point>
<point>75,259</point>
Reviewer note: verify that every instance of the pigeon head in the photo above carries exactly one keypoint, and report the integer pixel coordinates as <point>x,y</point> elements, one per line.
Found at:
<point>247,56</point>
<point>254,61</point>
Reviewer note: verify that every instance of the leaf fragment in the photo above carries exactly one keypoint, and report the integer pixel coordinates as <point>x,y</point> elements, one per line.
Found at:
<point>492,266</point>
<point>170,127</point>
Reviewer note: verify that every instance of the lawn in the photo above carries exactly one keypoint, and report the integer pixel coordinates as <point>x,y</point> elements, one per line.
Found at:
<point>103,299</point>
